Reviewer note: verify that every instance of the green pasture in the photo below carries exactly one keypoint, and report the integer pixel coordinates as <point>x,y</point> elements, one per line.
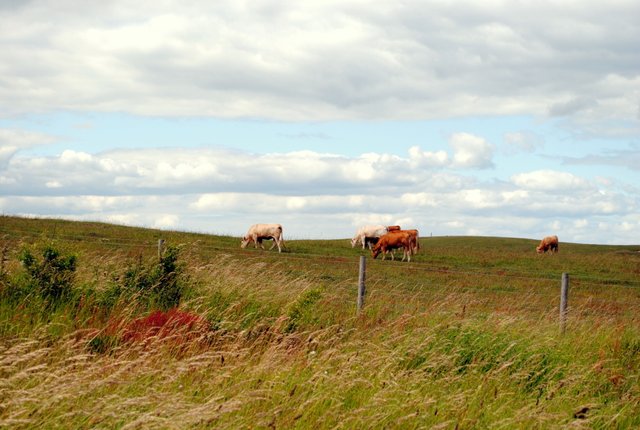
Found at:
<point>465,336</point>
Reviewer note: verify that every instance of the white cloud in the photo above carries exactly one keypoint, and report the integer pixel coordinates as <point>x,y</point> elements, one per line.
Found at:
<point>184,187</point>
<point>205,170</point>
<point>324,60</point>
<point>317,61</point>
<point>12,141</point>
<point>427,158</point>
<point>320,195</point>
<point>471,151</point>
<point>71,158</point>
<point>169,221</point>
<point>550,180</point>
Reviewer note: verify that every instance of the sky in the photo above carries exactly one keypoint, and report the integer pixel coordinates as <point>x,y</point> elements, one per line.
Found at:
<point>493,118</point>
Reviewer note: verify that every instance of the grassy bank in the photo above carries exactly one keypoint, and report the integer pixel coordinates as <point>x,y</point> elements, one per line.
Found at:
<point>465,336</point>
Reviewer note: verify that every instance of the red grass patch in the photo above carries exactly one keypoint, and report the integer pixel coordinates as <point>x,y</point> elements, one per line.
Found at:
<point>162,324</point>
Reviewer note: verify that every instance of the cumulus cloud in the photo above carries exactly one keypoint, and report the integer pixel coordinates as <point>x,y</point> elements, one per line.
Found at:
<point>428,158</point>
<point>314,195</point>
<point>550,180</point>
<point>205,170</point>
<point>323,60</point>
<point>471,151</point>
<point>12,141</point>
<point>219,170</point>
<point>318,61</point>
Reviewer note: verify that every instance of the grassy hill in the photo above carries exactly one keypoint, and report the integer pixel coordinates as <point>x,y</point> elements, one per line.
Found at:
<point>464,336</point>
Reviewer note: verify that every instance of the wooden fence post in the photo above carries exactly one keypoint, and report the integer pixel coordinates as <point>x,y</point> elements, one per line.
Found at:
<point>160,248</point>
<point>564,302</point>
<point>3,259</point>
<point>361,286</point>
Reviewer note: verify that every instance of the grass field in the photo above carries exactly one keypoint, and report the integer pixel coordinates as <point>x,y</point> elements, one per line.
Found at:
<point>465,336</point>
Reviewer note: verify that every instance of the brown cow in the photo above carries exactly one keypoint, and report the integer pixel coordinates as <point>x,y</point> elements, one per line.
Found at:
<point>415,246</point>
<point>416,240</point>
<point>548,243</point>
<point>394,240</point>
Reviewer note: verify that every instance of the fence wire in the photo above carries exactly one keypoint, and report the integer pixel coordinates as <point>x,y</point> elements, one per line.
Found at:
<point>398,282</point>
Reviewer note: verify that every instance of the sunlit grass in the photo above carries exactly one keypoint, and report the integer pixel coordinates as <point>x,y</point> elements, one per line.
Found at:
<point>466,337</point>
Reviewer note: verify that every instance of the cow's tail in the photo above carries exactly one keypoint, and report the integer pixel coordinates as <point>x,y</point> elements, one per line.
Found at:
<point>281,236</point>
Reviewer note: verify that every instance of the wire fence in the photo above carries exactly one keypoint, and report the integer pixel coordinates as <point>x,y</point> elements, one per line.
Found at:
<point>391,281</point>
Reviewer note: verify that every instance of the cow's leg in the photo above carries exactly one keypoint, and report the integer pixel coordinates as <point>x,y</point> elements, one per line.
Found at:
<point>277,241</point>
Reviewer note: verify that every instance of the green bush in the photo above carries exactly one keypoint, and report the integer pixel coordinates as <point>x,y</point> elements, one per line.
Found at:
<point>158,285</point>
<point>50,277</point>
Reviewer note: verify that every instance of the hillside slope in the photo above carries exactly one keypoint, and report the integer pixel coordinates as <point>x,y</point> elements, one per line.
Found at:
<point>466,335</point>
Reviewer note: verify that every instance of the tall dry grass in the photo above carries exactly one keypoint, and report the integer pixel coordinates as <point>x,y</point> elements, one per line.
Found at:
<point>457,344</point>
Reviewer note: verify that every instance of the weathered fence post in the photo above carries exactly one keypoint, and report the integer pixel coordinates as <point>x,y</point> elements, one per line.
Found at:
<point>3,259</point>
<point>160,248</point>
<point>361,286</point>
<point>564,302</point>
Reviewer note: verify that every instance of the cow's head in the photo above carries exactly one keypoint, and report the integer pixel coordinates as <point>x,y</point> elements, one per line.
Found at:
<point>540,249</point>
<point>375,251</point>
<point>353,242</point>
<point>244,242</point>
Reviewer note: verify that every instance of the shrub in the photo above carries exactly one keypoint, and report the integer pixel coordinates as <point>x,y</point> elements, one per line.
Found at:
<point>50,277</point>
<point>158,285</point>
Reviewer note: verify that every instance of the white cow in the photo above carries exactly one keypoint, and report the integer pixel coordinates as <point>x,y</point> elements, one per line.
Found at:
<point>368,231</point>
<point>258,232</point>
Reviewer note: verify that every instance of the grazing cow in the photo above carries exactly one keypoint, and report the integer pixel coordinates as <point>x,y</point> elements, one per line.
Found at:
<point>259,232</point>
<point>415,246</point>
<point>415,238</point>
<point>368,232</point>
<point>371,241</point>
<point>548,243</point>
<point>394,240</point>
<point>391,228</point>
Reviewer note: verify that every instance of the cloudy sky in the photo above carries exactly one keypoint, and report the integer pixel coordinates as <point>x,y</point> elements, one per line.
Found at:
<point>495,118</point>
